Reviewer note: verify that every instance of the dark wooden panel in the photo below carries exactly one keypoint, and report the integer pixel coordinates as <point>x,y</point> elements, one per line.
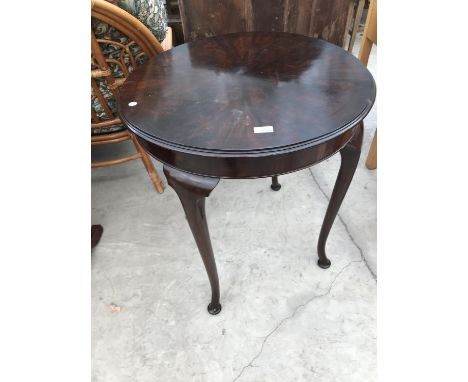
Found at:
<point>325,19</point>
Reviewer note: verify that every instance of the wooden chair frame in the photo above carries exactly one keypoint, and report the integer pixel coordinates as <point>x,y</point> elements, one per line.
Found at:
<point>370,38</point>
<point>139,34</point>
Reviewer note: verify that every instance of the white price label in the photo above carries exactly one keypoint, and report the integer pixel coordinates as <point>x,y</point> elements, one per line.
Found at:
<point>263,129</point>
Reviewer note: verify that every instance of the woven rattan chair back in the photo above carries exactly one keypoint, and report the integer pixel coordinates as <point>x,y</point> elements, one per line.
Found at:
<point>132,40</point>
<point>119,42</point>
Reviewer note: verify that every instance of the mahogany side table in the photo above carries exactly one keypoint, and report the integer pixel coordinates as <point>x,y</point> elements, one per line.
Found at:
<point>248,105</point>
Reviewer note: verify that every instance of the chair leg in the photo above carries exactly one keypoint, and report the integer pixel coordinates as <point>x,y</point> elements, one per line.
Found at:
<point>158,184</point>
<point>371,162</point>
<point>365,50</point>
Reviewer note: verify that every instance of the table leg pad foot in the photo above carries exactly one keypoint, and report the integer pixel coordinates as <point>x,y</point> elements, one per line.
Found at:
<point>324,264</point>
<point>214,308</point>
<point>275,186</point>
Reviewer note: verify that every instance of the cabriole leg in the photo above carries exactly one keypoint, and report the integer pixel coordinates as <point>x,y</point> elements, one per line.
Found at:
<point>192,191</point>
<point>349,161</point>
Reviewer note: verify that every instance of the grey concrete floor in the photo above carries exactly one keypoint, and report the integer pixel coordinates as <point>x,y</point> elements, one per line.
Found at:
<point>283,318</point>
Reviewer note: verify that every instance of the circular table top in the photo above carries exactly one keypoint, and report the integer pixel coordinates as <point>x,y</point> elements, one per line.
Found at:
<point>247,92</point>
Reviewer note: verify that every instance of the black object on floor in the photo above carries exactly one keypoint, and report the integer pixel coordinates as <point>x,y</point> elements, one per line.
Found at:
<point>96,233</point>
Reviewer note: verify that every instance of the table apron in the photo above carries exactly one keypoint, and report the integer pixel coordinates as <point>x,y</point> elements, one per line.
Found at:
<point>246,166</point>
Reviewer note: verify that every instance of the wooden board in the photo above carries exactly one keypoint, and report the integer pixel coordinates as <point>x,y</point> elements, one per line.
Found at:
<point>323,19</point>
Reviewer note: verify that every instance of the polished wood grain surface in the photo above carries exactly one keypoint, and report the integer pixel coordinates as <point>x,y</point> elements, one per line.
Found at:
<point>210,94</point>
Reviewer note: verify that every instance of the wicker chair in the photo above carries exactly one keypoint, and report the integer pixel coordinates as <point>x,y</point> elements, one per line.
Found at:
<point>119,42</point>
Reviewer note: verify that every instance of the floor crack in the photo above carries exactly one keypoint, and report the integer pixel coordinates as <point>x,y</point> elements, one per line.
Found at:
<point>374,276</point>
<point>296,309</point>
<point>110,282</point>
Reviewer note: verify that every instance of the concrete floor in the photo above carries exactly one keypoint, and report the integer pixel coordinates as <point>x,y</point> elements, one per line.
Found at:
<point>283,318</point>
